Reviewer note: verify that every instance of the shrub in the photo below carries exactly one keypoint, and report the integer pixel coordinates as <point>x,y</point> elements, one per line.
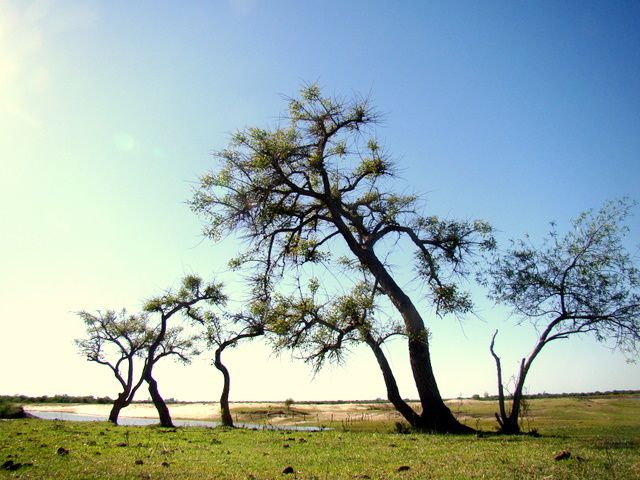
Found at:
<point>11,410</point>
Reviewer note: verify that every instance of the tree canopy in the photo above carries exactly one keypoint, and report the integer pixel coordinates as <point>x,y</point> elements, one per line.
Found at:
<point>321,184</point>
<point>585,282</point>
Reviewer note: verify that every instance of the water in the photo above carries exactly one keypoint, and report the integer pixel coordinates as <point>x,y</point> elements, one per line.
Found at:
<point>136,421</point>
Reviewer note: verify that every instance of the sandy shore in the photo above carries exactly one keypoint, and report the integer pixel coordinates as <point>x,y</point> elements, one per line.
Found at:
<point>276,412</point>
<point>188,411</point>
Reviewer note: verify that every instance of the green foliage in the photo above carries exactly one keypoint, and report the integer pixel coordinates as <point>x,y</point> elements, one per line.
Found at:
<point>192,291</point>
<point>294,190</point>
<point>113,337</point>
<point>60,398</point>
<point>11,410</point>
<point>584,282</point>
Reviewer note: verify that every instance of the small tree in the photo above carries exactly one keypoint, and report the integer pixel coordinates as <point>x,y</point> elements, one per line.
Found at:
<point>582,283</point>
<point>168,340</point>
<point>222,332</point>
<point>116,340</point>
<point>319,185</point>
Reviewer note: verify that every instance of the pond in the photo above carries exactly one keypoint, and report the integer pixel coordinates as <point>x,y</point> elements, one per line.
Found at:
<point>136,421</point>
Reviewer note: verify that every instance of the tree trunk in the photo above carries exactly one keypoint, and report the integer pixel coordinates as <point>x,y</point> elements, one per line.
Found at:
<point>393,394</point>
<point>225,411</point>
<point>509,422</point>
<point>436,416</point>
<point>118,404</point>
<point>510,426</point>
<point>158,401</point>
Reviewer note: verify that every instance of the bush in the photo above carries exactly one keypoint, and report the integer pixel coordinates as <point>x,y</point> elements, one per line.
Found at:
<point>11,410</point>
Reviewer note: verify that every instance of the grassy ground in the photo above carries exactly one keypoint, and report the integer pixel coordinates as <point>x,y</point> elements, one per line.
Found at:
<point>603,436</point>
<point>548,415</point>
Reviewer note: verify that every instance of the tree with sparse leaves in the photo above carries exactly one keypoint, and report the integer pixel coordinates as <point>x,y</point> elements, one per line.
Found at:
<point>226,331</point>
<point>582,283</point>
<point>170,340</point>
<point>222,330</point>
<point>324,328</point>
<point>320,184</point>
<point>116,340</point>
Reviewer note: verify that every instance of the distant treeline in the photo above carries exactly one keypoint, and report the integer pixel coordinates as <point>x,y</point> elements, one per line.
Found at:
<point>21,399</point>
<point>597,393</point>
<point>54,399</point>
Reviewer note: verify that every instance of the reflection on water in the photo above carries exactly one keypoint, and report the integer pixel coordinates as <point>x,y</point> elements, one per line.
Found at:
<point>135,421</point>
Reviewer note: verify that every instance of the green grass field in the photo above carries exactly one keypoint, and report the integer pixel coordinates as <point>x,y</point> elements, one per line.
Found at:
<point>602,435</point>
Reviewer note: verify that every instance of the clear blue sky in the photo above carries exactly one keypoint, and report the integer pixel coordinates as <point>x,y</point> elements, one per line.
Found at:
<point>515,112</point>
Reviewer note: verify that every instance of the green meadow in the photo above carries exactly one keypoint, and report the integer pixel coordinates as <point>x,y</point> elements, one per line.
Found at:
<point>601,435</point>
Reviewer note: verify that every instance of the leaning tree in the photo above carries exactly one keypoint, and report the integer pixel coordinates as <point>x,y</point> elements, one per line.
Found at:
<point>223,331</point>
<point>116,340</point>
<point>169,339</point>
<point>582,283</point>
<point>320,185</point>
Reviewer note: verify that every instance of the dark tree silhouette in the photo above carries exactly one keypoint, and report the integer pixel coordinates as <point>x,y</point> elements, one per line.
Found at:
<point>584,282</point>
<point>224,332</point>
<point>320,185</point>
<point>116,340</point>
<point>300,192</point>
<point>169,340</point>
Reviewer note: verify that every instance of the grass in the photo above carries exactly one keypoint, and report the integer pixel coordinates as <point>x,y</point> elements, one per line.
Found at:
<point>604,441</point>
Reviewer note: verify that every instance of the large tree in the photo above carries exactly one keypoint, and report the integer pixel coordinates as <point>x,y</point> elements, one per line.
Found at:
<point>320,184</point>
<point>582,283</point>
<point>169,340</point>
<point>116,340</point>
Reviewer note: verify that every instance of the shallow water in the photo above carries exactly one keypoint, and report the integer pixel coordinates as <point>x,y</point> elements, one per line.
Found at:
<point>136,421</point>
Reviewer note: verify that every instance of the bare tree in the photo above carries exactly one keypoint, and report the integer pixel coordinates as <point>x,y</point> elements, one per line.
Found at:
<point>116,340</point>
<point>582,283</point>
<point>320,185</point>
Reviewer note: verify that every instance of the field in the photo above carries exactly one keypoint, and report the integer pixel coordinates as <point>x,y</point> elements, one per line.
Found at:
<point>601,434</point>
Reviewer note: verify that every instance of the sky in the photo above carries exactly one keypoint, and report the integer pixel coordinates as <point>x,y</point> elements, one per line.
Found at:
<point>515,112</point>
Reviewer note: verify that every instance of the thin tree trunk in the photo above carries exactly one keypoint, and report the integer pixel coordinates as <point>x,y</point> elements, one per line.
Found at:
<point>509,422</point>
<point>225,411</point>
<point>502,416</point>
<point>393,394</point>
<point>516,404</point>
<point>158,401</point>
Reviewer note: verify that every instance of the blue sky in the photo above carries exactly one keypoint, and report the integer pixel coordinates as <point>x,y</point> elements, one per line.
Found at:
<point>515,112</point>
